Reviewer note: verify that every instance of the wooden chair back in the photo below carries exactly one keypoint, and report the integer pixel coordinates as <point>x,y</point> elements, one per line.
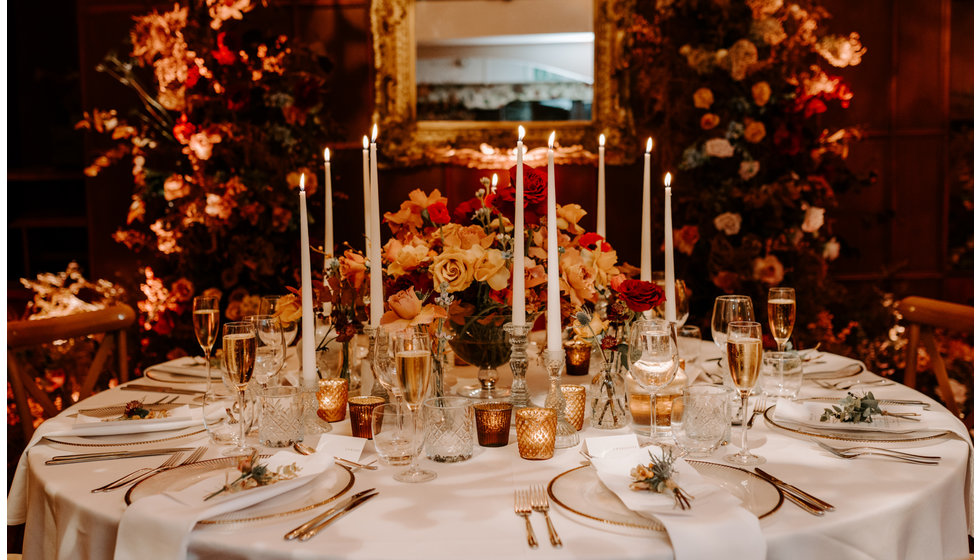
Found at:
<point>112,321</point>
<point>924,316</point>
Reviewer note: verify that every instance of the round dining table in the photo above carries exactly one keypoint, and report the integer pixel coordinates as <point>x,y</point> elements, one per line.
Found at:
<point>884,508</point>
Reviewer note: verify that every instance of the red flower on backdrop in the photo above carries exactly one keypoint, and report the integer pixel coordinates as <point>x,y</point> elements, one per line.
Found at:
<point>193,75</point>
<point>438,213</point>
<point>223,55</point>
<point>638,295</point>
<point>535,194</point>
<point>183,130</point>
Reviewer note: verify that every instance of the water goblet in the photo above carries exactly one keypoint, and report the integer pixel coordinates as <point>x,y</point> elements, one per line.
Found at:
<point>653,359</point>
<point>781,306</point>
<point>744,351</point>
<point>729,308</point>
<point>238,342</point>
<point>268,306</point>
<point>270,350</point>
<point>398,437</point>
<point>689,347</point>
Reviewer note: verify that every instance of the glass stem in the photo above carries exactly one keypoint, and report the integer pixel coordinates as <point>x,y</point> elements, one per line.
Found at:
<point>745,423</point>
<point>653,415</point>
<point>207,370</point>
<point>241,418</point>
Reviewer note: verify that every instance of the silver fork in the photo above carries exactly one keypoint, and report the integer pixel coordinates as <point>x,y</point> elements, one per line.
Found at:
<point>171,461</point>
<point>760,407</point>
<point>194,456</point>
<point>879,452</point>
<point>843,385</point>
<point>858,448</point>
<point>539,502</point>
<point>522,507</point>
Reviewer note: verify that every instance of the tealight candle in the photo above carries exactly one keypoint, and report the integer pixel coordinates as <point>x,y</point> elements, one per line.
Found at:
<point>536,432</point>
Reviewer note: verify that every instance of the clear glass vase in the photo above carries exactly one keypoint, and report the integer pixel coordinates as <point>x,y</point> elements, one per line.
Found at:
<point>608,397</point>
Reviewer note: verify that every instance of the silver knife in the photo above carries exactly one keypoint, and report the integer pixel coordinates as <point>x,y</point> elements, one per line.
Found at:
<point>312,522</point>
<point>803,494</point>
<point>161,389</point>
<point>313,532</point>
<point>105,456</point>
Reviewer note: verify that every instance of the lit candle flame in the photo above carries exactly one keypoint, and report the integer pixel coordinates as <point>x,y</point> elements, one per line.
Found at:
<point>374,132</point>
<point>326,155</point>
<point>602,140</point>
<point>365,141</point>
<point>649,144</point>
<point>520,133</point>
<point>667,180</point>
<point>493,184</point>
<point>302,182</point>
<point>551,141</point>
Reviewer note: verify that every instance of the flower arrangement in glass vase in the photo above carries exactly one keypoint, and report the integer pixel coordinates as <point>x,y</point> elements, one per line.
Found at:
<point>464,263</point>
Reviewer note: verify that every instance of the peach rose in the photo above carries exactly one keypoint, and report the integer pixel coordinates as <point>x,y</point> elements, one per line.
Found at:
<point>454,267</point>
<point>748,169</point>
<point>405,258</point>
<point>406,310</point>
<point>761,92</point>
<point>768,270</point>
<point>175,187</point>
<point>464,238</point>
<point>741,57</point>
<point>719,147</point>
<point>728,222</point>
<point>491,268</point>
<point>576,279</point>
<point>568,217</point>
<point>703,98</point>
<point>755,131</point>
<point>813,219</point>
<point>410,212</point>
<point>288,309</point>
<point>709,121</point>
<point>831,250</point>
<point>602,265</point>
<point>353,268</point>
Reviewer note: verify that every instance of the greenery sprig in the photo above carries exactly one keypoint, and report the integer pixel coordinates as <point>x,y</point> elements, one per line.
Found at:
<point>254,474</point>
<point>853,408</point>
<point>135,409</point>
<point>658,477</point>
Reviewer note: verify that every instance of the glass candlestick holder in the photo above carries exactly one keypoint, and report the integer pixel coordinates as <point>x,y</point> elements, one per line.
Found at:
<point>565,434</point>
<point>377,389</point>
<point>518,363</point>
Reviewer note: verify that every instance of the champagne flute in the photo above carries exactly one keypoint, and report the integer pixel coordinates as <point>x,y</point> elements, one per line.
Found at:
<point>782,314</point>
<point>270,349</point>
<point>238,341</point>
<point>744,349</point>
<point>412,351</point>
<point>205,319</point>
<point>289,329</point>
<point>654,359</point>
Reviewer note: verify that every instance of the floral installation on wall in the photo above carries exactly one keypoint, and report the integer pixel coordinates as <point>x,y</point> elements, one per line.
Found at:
<point>229,118</point>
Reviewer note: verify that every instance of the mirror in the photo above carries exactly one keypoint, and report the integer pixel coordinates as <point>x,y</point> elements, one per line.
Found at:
<point>454,78</point>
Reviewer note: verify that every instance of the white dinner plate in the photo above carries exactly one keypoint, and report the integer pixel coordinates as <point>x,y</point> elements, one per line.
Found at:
<point>326,487</point>
<point>580,493</point>
<point>121,440</point>
<point>173,377</point>
<point>914,437</point>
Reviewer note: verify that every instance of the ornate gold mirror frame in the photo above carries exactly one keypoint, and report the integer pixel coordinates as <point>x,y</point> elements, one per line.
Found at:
<point>407,141</point>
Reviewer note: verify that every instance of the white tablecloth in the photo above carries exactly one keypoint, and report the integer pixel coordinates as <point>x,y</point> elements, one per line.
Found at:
<point>885,509</point>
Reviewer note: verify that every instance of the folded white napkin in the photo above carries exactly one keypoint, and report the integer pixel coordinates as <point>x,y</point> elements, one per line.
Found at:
<point>111,425</point>
<point>716,526</point>
<point>808,414</point>
<point>62,425</point>
<point>188,365</point>
<point>159,526</point>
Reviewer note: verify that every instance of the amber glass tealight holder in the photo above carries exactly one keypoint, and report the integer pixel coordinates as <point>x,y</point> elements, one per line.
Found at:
<point>577,356</point>
<point>574,404</point>
<point>493,423</point>
<point>331,397</point>
<point>536,432</point>
<point>360,414</point>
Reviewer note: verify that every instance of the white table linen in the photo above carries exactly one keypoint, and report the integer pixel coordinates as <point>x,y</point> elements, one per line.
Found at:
<point>885,509</point>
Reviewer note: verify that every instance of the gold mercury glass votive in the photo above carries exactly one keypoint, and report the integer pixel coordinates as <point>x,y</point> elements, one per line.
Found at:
<point>493,423</point>
<point>536,432</point>
<point>574,404</point>
<point>331,397</point>
<point>577,356</point>
<point>360,415</point>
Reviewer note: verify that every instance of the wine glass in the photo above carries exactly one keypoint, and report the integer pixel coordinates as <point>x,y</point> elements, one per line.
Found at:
<point>689,347</point>
<point>238,341</point>
<point>744,349</point>
<point>270,348</point>
<point>412,351</point>
<point>782,314</point>
<point>205,319</point>
<point>289,328</point>
<point>653,359</point>
<point>727,309</point>
<point>398,438</point>
<point>683,304</point>
<point>384,364</point>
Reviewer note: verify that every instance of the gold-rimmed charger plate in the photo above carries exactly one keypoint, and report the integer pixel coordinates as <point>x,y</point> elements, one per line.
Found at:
<point>174,377</point>
<point>912,438</point>
<point>579,492</point>
<point>326,487</point>
<point>127,440</point>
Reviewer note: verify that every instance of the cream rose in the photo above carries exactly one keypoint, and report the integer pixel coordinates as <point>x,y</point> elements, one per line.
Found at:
<point>768,270</point>
<point>568,217</point>
<point>491,267</point>
<point>813,219</point>
<point>719,147</point>
<point>729,222</point>
<point>454,267</point>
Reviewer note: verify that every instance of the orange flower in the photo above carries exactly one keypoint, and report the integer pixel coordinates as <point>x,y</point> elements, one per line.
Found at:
<point>568,217</point>
<point>709,121</point>
<point>491,268</point>
<point>410,212</point>
<point>455,268</point>
<point>464,238</point>
<point>768,270</point>
<point>288,309</point>
<point>405,310</point>
<point>576,279</point>
<point>761,93</point>
<point>601,264</point>
<point>353,268</point>
<point>175,187</point>
<point>703,98</point>
<point>686,238</point>
<point>404,258</point>
<point>755,131</point>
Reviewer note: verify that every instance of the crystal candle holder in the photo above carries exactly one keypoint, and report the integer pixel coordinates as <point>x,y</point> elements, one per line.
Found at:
<point>536,432</point>
<point>574,404</point>
<point>493,423</point>
<point>360,414</point>
<point>565,434</point>
<point>518,363</point>
<point>331,397</point>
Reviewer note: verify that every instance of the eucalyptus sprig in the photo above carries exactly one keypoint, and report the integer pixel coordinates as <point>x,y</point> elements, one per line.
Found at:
<point>658,477</point>
<point>135,409</point>
<point>853,408</point>
<point>254,474</point>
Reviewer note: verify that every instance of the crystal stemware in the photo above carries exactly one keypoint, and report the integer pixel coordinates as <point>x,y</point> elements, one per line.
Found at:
<point>654,359</point>
<point>744,351</point>
<point>412,352</point>
<point>270,351</point>
<point>781,306</point>
<point>268,306</point>
<point>238,343</point>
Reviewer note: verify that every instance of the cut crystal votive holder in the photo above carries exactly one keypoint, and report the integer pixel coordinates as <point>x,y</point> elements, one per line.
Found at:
<point>331,398</point>
<point>493,423</point>
<point>360,414</point>
<point>574,404</point>
<point>536,432</point>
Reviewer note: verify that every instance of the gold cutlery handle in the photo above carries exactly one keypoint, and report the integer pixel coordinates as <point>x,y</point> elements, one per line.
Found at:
<point>356,503</point>
<point>805,506</point>
<point>552,534</point>
<point>312,522</point>
<point>531,540</point>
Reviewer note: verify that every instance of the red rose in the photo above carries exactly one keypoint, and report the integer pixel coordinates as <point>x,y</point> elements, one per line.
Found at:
<point>463,214</point>
<point>183,130</point>
<point>535,194</point>
<point>223,55</point>
<point>638,295</point>
<point>587,240</point>
<point>193,75</point>
<point>438,213</point>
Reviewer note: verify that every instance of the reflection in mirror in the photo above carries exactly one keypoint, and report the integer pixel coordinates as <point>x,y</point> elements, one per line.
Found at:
<point>504,60</point>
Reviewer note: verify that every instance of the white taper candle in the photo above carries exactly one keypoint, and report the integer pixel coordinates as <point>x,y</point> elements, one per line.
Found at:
<point>645,264</point>
<point>671,304</point>
<point>600,214</point>
<point>518,304</point>
<point>306,290</point>
<point>377,269</point>
<point>554,303</point>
